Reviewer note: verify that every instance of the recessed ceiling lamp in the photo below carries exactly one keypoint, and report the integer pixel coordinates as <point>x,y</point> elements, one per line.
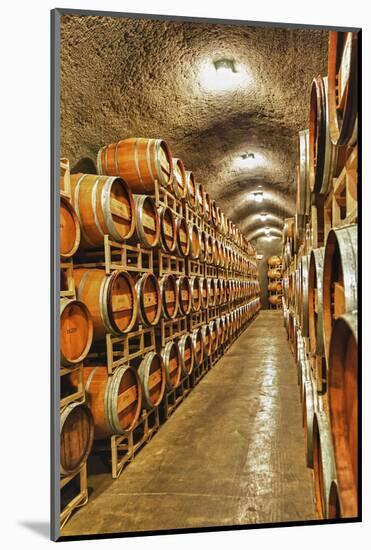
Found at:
<point>247,156</point>
<point>225,65</point>
<point>258,196</point>
<point>263,216</point>
<point>220,75</point>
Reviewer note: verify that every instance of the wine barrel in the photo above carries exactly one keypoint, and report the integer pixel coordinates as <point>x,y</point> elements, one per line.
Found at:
<point>288,228</point>
<point>139,161</point>
<point>203,247</point>
<point>196,293</point>
<point>185,295</point>
<point>275,299</point>
<point>76,332</point>
<point>322,154</point>
<point>153,378</point>
<point>204,293</point>
<point>172,364</point>
<point>334,504</point>
<point>147,226</point>
<point>209,250</point>
<point>206,339</point>
<point>104,206</point>
<point>70,233</point>
<point>315,306</point>
<point>218,291</point>
<point>213,213</point>
<point>169,296</point>
<point>274,261</point>
<point>340,276</point>
<point>324,471</point>
<point>207,206</point>
<point>198,347</point>
<point>343,409</point>
<point>274,274</point>
<point>111,299</point>
<point>211,291</point>
<point>168,228</point>
<point>76,437</point>
<point>191,190</point>
<point>216,253</point>
<point>182,237</point>
<point>200,198</point>
<point>343,87</point>
<point>275,286</point>
<point>186,354</point>
<point>194,242</point>
<point>149,298</point>
<point>115,400</point>
<point>179,184</point>
<point>220,329</point>
<point>303,202</point>
<point>309,406</point>
<point>214,336</point>
<point>303,295</point>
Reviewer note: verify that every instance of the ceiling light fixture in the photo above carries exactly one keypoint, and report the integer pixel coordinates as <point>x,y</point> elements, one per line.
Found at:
<point>247,156</point>
<point>221,75</point>
<point>225,65</point>
<point>258,196</point>
<point>263,216</point>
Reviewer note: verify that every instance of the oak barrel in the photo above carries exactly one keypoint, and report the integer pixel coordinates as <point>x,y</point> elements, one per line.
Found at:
<point>198,346</point>
<point>111,299</point>
<point>76,437</point>
<point>343,409</point>
<point>70,233</point>
<point>149,299</point>
<point>275,299</point>
<point>315,304</point>
<point>207,206</point>
<point>303,295</point>
<point>196,293</point>
<point>309,406</point>
<point>212,292</point>
<point>191,190</point>
<point>200,198</point>
<point>186,353</point>
<point>274,274</point>
<point>172,364</point>
<point>343,87</point>
<point>104,206</point>
<point>204,293</point>
<point>184,294</point>
<point>179,179</point>
<point>194,242</point>
<point>168,229</point>
<point>169,296</point>
<point>275,286</point>
<point>340,278</point>
<point>324,471</point>
<point>147,227</point>
<point>152,375</point>
<point>114,400</point>
<point>139,161</point>
<point>274,261</point>
<point>206,339</point>
<point>182,237</point>
<point>214,336</point>
<point>76,332</point>
<point>213,213</point>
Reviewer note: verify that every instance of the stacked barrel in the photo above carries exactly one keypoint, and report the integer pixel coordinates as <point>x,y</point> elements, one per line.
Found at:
<point>320,281</point>
<point>162,281</point>
<point>274,275</point>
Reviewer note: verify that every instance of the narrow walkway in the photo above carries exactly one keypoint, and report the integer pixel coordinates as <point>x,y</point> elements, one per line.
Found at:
<point>232,453</point>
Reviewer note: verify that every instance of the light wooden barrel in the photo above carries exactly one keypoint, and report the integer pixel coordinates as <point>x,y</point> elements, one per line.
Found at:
<point>324,471</point>
<point>69,226</point>
<point>315,306</point>
<point>220,329</point>
<point>168,228</point>
<point>191,190</point>
<point>196,293</point>
<point>340,278</point>
<point>198,346</point>
<point>206,339</point>
<point>182,237</point>
<point>152,375</point>
<point>303,295</point>
<point>218,291</point>
<point>172,364</point>
<point>343,87</point>
<point>76,332</point>
<point>179,185</point>
<point>288,228</point>
<point>207,206</point>
<point>149,299</point>
<point>186,353</point>
<point>343,409</point>
<point>309,407</point>
<point>169,296</point>
<point>211,291</point>
<point>213,212</point>
<point>184,294</point>
<point>322,154</point>
<point>214,336</point>
<point>274,274</point>
<point>303,204</point>
<point>204,293</point>
<point>76,437</point>
<point>334,504</point>
<point>147,227</point>
<point>275,299</point>
<point>111,299</point>
<point>275,286</point>
<point>216,252</point>
<point>209,250</point>
<point>104,206</point>
<point>203,247</point>
<point>139,161</point>
<point>274,261</point>
<point>200,198</point>
<point>194,242</point>
<point>115,400</point>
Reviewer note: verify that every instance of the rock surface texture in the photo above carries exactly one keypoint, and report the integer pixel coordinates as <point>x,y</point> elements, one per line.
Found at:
<point>124,77</point>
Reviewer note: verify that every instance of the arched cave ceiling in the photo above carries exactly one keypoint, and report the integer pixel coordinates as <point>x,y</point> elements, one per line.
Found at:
<point>123,77</point>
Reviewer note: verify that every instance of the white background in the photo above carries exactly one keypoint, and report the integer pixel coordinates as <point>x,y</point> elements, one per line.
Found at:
<point>24,218</point>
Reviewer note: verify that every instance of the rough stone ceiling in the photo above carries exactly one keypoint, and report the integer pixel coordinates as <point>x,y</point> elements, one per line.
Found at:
<point>146,78</point>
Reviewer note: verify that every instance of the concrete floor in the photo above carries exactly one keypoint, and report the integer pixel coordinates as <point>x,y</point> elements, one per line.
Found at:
<point>232,453</point>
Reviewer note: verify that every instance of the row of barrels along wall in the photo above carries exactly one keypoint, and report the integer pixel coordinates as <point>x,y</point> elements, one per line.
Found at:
<point>122,202</point>
<point>274,275</point>
<point>320,282</point>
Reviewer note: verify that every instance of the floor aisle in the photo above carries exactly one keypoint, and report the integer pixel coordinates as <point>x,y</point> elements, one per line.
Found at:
<point>232,453</point>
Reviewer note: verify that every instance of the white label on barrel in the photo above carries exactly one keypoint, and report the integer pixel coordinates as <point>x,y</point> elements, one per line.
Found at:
<point>149,298</point>
<point>168,230</point>
<point>126,398</point>
<point>120,302</point>
<point>120,209</point>
<point>154,379</point>
<point>345,66</point>
<point>148,221</point>
<point>169,296</point>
